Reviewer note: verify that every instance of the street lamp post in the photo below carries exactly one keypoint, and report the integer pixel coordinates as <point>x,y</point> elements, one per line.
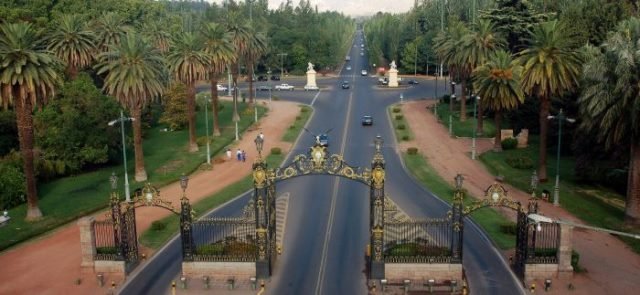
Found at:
<point>269,78</point>
<point>206,124</point>
<point>534,183</point>
<point>556,189</point>
<point>121,120</point>
<point>473,141</point>
<point>452,98</point>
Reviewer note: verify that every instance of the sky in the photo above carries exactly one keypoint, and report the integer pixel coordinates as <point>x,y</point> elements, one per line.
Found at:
<point>352,7</point>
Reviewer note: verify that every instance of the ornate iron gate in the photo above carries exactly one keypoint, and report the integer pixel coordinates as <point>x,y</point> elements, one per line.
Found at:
<point>129,238</point>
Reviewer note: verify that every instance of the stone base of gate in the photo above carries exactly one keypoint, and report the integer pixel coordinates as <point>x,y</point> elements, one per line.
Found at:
<point>115,268</point>
<point>221,274</point>
<point>419,274</point>
<point>534,272</point>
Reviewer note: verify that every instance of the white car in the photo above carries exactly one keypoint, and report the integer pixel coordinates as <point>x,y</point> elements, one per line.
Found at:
<point>222,88</point>
<point>364,72</point>
<point>311,88</point>
<point>284,86</point>
<point>348,68</point>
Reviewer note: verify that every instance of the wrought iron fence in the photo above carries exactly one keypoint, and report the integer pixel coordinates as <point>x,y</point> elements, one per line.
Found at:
<point>543,244</point>
<point>418,241</point>
<point>224,239</point>
<point>106,243</point>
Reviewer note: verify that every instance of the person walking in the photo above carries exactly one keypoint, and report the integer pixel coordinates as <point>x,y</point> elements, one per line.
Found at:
<point>239,155</point>
<point>244,156</point>
<point>261,135</point>
<point>228,154</point>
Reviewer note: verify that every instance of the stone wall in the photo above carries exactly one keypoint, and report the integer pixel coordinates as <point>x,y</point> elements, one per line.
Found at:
<point>540,272</point>
<point>108,266</point>
<point>219,273</point>
<point>420,273</point>
<point>87,242</point>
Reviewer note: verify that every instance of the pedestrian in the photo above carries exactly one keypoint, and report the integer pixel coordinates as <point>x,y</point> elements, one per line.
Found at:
<point>239,155</point>
<point>244,156</point>
<point>261,135</point>
<point>228,154</point>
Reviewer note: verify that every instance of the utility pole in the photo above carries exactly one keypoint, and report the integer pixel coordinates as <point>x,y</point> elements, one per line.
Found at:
<point>282,55</point>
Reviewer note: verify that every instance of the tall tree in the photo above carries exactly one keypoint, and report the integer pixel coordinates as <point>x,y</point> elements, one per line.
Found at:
<point>477,47</point>
<point>133,76</point>
<point>110,27</point>
<point>498,84</point>
<point>256,47</point>
<point>448,45</point>
<point>189,63</point>
<point>72,43</point>
<point>27,78</point>
<point>551,66</point>
<point>239,34</point>
<point>610,101</point>
<point>217,45</point>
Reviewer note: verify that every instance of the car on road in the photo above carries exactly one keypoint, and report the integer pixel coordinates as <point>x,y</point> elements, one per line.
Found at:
<point>323,139</point>
<point>275,78</point>
<point>367,120</point>
<point>348,58</point>
<point>413,82</point>
<point>311,88</point>
<point>284,86</point>
<point>348,68</point>
<point>361,54</point>
<point>363,72</point>
<point>222,88</point>
<point>263,78</point>
<point>345,85</point>
<point>383,81</point>
<point>263,88</point>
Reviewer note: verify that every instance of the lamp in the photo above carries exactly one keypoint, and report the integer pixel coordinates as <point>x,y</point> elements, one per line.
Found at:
<point>114,181</point>
<point>148,194</point>
<point>495,196</point>
<point>253,282</point>
<point>378,142</point>
<point>184,181</point>
<point>538,227</point>
<point>383,283</point>
<point>454,285</point>
<point>534,181</point>
<point>406,285</point>
<point>259,143</point>
<point>547,284</point>
<point>431,282</point>
<point>459,179</point>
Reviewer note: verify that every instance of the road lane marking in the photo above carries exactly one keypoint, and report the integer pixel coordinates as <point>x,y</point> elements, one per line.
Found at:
<point>314,98</point>
<point>325,246</point>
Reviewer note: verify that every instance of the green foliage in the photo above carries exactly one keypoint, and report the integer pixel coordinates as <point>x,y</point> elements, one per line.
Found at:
<point>514,19</point>
<point>294,130</point>
<point>175,107</point>
<point>276,151</point>
<point>575,262</point>
<point>399,117</point>
<point>509,143</point>
<point>395,110</point>
<point>158,225</point>
<point>62,130</point>
<point>12,186</point>
<point>106,250</point>
<point>405,137</point>
<point>401,127</point>
<point>509,228</point>
<point>412,151</point>
<point>519,162</point>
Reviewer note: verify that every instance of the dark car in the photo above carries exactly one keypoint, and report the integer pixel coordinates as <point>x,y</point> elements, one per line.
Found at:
<point>413,82</point>
<point>323,139</point>
<point>263,88</point>
<point>252,80</point>
<point>345,85</point>
<point>275,78</point>
<point>263,78</point>
<point>367,120</point>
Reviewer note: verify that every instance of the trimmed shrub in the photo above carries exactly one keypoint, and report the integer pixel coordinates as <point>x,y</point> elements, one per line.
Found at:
<point>509,228</point>
<point>202,140</point>
<point>519,162</point>
<point>298,118</point>
<point>158,225</point>
<point>509,143</point>
<point>445,98</point>
<point>405,137</point>
<point>401,127</point>
<point>575,260</point>
<point>395,110</point>
<point>412,151</point>
<point>292,127</point>
<point>276,151</point>
<point>303,110</point>
<point>399,117</point>
<point>12,186</point>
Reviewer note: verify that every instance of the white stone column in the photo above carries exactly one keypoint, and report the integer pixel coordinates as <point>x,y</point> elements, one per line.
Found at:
<point>311,78</point>
<point>87,242</point>
<point>564,251</point>
<point>393,78</point>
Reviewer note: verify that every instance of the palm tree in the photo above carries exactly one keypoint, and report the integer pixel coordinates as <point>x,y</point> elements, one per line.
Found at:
<point>477,47</point>
<point>27,78</point>
<point>217,45</point>
<point>239,34</point>
<point>158,36</point>
<point>551,65</point>
<point>133,76</point>
<point>256,47</point>
<point>110,28</point>
<point>189,63</point>
<point>447,46</point>
<point>609,103</point>
<point>72,43</point>
<point>498,84</point>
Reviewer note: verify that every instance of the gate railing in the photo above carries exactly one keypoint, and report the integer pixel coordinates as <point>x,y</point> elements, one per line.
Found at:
<point>224,239</point>
<point>106,245</point>
<point>418,241</point>
<point>543,243</point>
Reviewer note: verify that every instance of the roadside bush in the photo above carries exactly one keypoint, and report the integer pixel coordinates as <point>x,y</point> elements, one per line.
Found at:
<point>12,184</point>
<point>158,225</point>
<point>396,110</point>
<point>445,98</point>
<point>509,143</point>
<point>412,151</point>
<point>175,108</point>
<point>276,151</point>
<point>298,118</point>
<point>202,140</point>
<point>405,137</point>
<point>509,228</point>
<point>292,127</point>
<point>575,262</point>
<point>303,110</point>
<point>399,117</point>
<point>519,162</point>
<point>401,127</point>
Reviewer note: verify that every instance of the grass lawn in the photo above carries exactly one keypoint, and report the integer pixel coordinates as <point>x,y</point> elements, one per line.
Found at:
<point>166,158</point>
<point>465,129</point>
<point>597,206</point>
<point>156,238</point>
<point>295,129</point>
<point>489,219</point>
<point>400,126</point>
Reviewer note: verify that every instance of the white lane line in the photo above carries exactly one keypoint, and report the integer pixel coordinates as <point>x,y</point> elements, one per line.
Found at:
<point>325,247</point>
<point>314,98</point>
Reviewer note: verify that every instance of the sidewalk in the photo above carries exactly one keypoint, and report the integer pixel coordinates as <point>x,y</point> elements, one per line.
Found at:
<point>611,266</point>
<point>51,264</point>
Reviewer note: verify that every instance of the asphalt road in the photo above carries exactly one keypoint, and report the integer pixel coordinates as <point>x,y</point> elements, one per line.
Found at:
<point>327,227</point>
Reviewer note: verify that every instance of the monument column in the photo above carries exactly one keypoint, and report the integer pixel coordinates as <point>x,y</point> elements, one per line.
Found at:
<point>393,75</point>
<point>311,76</point>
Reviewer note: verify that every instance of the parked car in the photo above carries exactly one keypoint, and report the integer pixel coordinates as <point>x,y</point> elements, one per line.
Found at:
<point>275,78</point>
<point>348,68</point>
<point>363,72</point>
<point>323,139</point>
<point>222,88</point>
<point>263,88</point>
<point>348,58</point>
<point>263,78</point>
<point>383,81</point>
<point>345,85</point>
<point>413,82</point>
<point>284,86</point>
<point>361,53</point>
<point>311,88</point>
<point>367,120</point>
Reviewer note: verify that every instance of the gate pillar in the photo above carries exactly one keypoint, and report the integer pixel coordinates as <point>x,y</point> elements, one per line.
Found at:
<point>186,233</point>
<point>262,214</point>
<point>376,214</point>
<point>457,221</point>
